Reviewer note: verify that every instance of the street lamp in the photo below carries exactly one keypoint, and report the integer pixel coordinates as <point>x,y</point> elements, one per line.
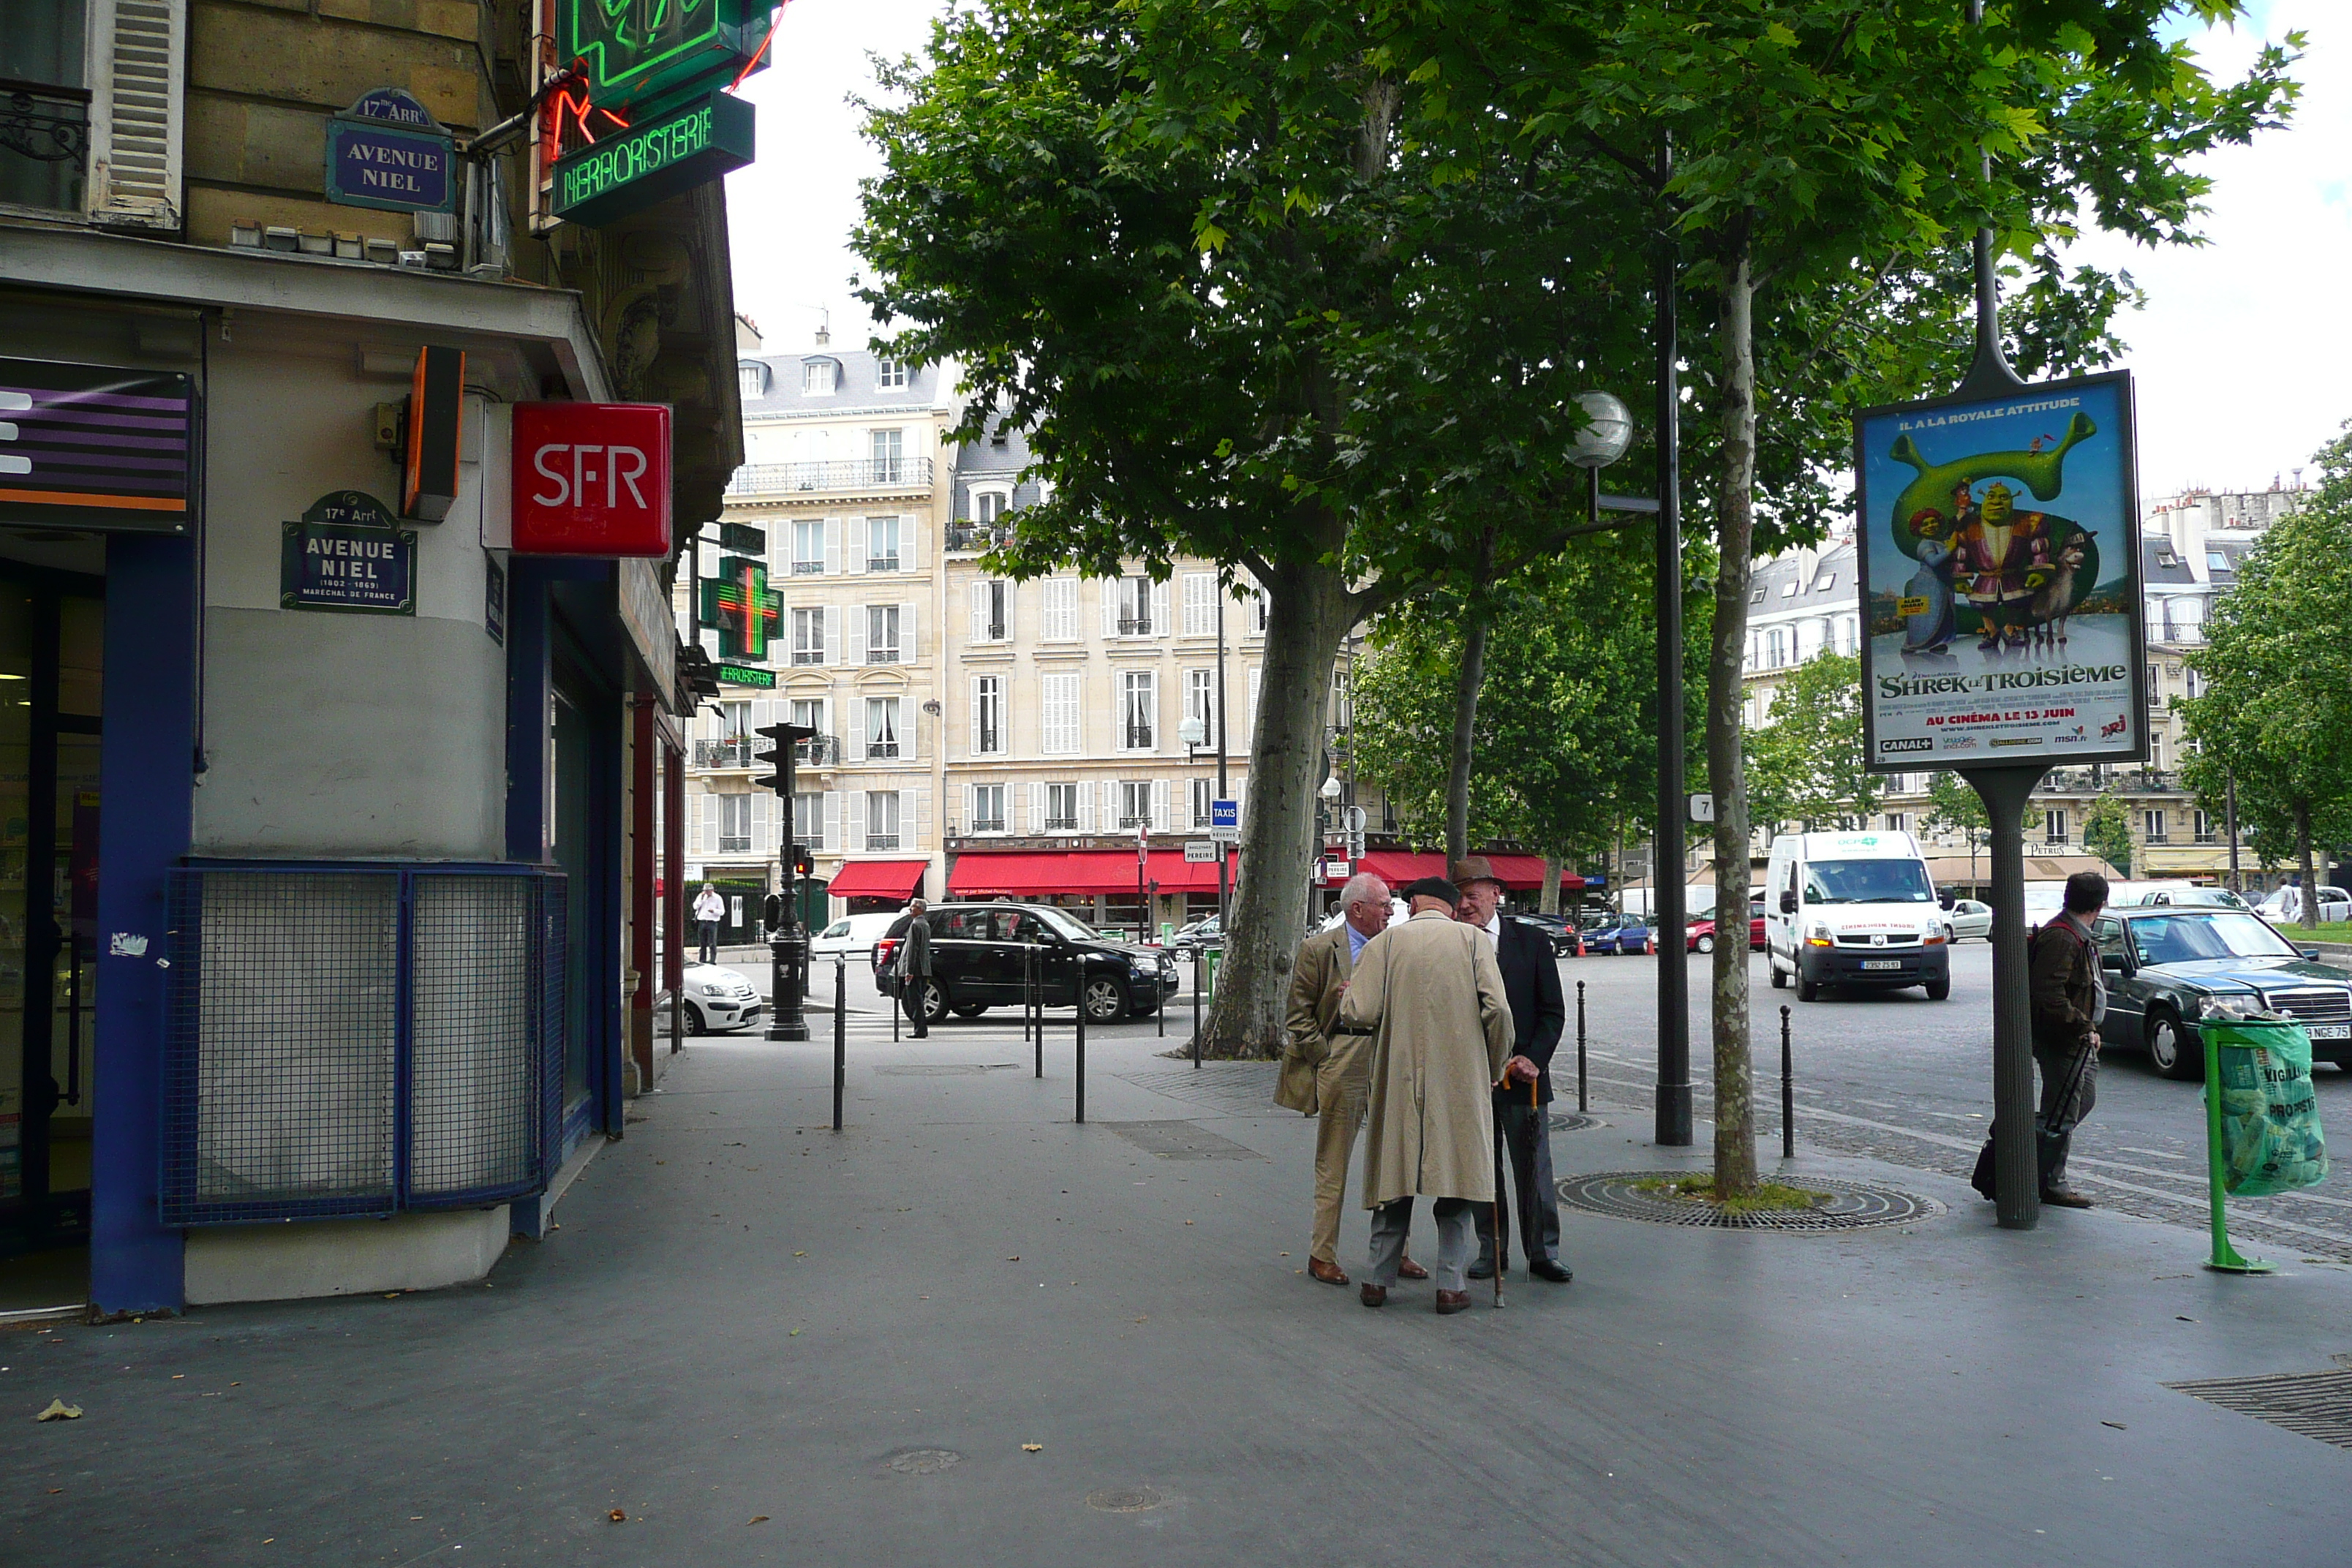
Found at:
<point>1608,432</point>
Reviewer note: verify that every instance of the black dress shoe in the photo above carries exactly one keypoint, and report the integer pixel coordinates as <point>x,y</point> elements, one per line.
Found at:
<point>1551,1269</point>
<point>1482,1269</point>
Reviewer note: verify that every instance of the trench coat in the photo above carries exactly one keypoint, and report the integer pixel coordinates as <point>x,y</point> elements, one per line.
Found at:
<point>1432,993</point>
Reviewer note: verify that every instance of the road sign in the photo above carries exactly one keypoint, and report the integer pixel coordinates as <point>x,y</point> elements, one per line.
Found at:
<point>1225,821</point>
<point>1200,851</point>
<point>1702,808</point>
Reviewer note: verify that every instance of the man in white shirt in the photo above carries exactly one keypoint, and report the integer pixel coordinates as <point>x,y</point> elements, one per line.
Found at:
<point>709,909</point>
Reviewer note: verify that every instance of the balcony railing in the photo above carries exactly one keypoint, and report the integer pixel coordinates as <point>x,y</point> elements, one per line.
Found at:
<point>735,754</point>
<point>988,825</point>
<point>734,844</point>
<point>1135,625</point>
<point>1061,825</point>
<point>881,748</point>
<point>48,127</point>
<point>976,536</point>
<point>882,563</point>
<point>881,841</point>
<point>749,750</point>
<point>858,474</point>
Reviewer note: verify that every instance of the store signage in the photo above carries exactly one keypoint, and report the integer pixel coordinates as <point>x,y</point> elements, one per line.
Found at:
<point>386,150</point>
<point>644,56</point>
<point>748,614</point>
<point>346,555</point>
<point>437,417</point>
<point>592,478</point>
<point>742,538</point>
<point>2000,579</point>
<point>1200,851</point>
<point>746,675</point>
<point>91,447</point>
<point>651,162</point>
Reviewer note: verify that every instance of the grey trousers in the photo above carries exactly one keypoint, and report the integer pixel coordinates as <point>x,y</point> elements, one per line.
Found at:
<point>1393,1221</point>
<point>2055,1123</point>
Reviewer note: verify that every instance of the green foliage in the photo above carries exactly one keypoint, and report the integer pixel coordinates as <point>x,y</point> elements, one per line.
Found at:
<point>1954,807</point>
<point>2277,673</point>
<point>2107,833</point>
<point>1805,763</point>
<point>1566,743</point>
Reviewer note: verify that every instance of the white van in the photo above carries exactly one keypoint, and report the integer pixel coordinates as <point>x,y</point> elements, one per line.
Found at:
<point>1854,909</point>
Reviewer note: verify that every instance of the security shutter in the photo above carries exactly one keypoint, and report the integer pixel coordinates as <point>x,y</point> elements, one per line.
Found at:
<point>138,81</point>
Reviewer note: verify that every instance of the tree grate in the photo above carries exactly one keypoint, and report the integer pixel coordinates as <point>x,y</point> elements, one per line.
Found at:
<point>2315,1404</point>
<point>1573,1121</point>
<point>1851,1205</point>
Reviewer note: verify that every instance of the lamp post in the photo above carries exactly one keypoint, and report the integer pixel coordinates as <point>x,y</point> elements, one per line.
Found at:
<point>1330,797</point>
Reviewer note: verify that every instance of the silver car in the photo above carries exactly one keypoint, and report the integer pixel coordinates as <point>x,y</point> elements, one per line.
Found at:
<point>716,1000</point>
<point>1968,918</point>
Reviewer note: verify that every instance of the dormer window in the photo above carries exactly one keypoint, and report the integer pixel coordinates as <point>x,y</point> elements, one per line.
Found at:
<point>753,377</point>
<point>820,377</point>
<point>890,375</point>
<point>991,505</point>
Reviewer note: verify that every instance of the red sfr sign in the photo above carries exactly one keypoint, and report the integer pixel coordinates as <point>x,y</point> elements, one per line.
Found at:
<point>592,478</point>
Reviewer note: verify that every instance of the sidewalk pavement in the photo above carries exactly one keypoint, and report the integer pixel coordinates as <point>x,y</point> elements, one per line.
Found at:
<point>744,1318</point>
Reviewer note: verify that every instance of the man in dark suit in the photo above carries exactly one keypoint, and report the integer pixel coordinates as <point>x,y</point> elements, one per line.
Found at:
<point>913,963</point>
<point>1531,981</point>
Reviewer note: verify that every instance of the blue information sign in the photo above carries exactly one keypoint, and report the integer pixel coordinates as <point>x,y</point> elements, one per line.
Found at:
<point>381,160</point>
<point>1225,819</point>
<point>337,567</point>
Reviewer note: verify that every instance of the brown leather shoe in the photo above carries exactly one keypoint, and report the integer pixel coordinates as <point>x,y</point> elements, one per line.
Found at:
<point>1375,1296</point>
<point>2064,1198</point>
<point>1409,1269</point>
<point>1452,1301</point>
<point>1329,1273</point>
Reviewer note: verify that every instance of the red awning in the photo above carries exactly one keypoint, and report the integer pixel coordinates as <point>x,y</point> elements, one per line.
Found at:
<point>879,879</point>
<point>1028,873</point>
<point>1518,872</point>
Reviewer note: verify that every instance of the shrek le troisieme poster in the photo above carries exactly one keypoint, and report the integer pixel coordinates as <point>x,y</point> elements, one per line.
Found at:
<point>2000,578</point>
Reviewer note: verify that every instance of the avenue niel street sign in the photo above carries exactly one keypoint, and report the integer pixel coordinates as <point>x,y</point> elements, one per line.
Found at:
<point>671,153</point>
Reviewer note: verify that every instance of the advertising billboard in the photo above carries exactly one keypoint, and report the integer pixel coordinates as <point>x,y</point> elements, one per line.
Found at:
<point>2000,579</point>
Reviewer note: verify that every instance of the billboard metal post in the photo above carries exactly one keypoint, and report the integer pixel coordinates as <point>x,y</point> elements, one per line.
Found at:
<point>1668,899</point>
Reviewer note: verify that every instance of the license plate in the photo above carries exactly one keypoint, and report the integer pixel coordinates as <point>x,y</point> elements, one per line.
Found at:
<point>1882,964</point>
<point>2330,1031</point>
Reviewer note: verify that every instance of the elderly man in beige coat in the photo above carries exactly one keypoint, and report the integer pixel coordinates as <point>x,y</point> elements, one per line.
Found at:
<point>1431,993</point>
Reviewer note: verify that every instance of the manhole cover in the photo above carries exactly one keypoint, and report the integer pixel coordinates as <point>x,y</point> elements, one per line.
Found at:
<point>1852,1205</point>
<point>1123,1499</point>
<point>2315,1404</point>
<point>1573,1121</point>
<point>1181,1140</point>
<point>923,1461</point>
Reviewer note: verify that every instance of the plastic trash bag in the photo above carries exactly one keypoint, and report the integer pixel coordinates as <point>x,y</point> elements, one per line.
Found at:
<point>2271,1141</point>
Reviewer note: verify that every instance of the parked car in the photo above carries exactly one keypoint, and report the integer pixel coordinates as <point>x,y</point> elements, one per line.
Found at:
<point>1556,930</point>
<point>716,1000</point>
<point>2166,965</point>
<point>1205,933</point>
<point>1634,935</point>
<point>1856,911</point>
<point>1756,924</point>
<point>853,936</point>
<point>2285,906</point>
<point>2190,896</point>
<point>1699,936</point>
<point>1970,918</point>
<point>980,953</point>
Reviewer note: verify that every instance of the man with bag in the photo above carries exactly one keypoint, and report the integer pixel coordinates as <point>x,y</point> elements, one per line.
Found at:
<point>1324,1074</point>
<point>2070,999</point>
<point>1430,992</point>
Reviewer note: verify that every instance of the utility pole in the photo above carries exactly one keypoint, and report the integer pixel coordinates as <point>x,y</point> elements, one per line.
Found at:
<point>2237,883</point>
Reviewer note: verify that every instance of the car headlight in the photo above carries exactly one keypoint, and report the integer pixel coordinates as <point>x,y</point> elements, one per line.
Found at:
<point>1935,934</point>
<point>1818,936</point>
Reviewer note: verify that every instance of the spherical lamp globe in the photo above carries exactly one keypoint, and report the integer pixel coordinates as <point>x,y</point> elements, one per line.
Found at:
<point>1604,439</point>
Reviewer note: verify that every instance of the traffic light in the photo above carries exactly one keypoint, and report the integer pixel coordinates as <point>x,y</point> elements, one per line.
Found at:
<point>785,736</point>
<point>804,861</point>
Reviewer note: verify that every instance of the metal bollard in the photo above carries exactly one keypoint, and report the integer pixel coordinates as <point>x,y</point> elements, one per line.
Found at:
<point>1082,1040</point>
<point>1196,1009</point>
<point>898,1005</point>
<point>1788,1095</point>
<point>1159,1014</point>
<point>1582,1102</point>
<point>1037,985</point>
<point>840,1036</point>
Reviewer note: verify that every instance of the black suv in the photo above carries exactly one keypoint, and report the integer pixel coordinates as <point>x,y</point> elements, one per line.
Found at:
<point>980,951</point>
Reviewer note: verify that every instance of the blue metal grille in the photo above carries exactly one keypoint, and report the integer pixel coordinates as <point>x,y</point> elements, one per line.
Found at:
<point>350,1039</point>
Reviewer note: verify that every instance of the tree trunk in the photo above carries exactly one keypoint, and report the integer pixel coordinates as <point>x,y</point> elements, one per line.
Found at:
<point>2303,858</point>
<point>1550,900</point>
<point>1309,611</point>
<point>1735,1090</point>
<point>1465,718</point>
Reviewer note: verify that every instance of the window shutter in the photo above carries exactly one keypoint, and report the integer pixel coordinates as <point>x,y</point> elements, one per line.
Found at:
<point>1085,806</point>
<point>1241,799</point>
<point>1022,808</point>
<point>1110,587</point>
<point>910,641</point>
<point>971,698</point>
<point>833,634</point>
<point>761,842</point>
<point>915,830</point>
<point>1159,805</point>
<point>857,550</point>
<point>854,730</point>
<point>137,82</point>
<point>831,840</point>
<point>857,634</point>
<point>978,611</point>
<point>1196,604</point>
<point>1159,627</point>
<point>1249,732</point>
<point>833,546</point>
<point>706,812</point>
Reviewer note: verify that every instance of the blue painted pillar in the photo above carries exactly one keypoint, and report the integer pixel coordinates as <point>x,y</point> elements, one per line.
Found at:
<point>146,773</point>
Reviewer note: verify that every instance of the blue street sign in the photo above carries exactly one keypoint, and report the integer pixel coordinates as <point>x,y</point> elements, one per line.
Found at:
<point>1224,814</point>
<point>380,163</point>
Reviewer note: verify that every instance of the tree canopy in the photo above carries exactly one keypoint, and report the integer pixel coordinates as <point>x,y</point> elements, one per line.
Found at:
<point>1805,761</point>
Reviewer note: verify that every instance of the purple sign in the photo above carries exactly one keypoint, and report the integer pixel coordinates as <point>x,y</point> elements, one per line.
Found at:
<point>93,447</point>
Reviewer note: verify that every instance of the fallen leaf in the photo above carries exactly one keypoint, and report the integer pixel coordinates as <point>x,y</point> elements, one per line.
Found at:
<point>2117,1425</point>
<point>617,1517</point>
<point>1033,1448</point>
<point>757,1518</point>
<point>59,1410</point>
<point>177,1376</point>
<point>795,1331</point>
<point>802,1252</point>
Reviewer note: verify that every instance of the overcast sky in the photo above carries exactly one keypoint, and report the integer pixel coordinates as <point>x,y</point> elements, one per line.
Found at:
<point>2240,356</point>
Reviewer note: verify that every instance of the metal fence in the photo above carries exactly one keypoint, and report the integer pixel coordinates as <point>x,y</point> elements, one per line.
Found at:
<point>360,1039</point>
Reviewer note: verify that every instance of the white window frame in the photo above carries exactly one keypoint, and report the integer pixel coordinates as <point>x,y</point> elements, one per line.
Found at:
<point>887,449</point>
<point>990,734</point>
<point>1058,619</point>
<point>808,536</point>
<point>820,377</point>
<point>1138,709</point>
<point>1202,793</point>
<point>871,557</point>
<point>1061,713</point>
<point>1201,703</point>
<point>815,651</point>
<point>882,730</point>
<point>890,375</point>
<point>1134,804</point>
<point>992,610</point>
<point>984,795</point>
<point>879,619</point>
<point>884,819</point>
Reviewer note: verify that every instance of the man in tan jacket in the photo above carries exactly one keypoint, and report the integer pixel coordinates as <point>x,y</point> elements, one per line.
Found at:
<point>1432,994</point>
<point>1342,1063</point>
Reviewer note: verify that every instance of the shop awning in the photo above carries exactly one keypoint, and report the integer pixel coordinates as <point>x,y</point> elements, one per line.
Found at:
<point>879,879</point>
<point>1028,873</point>
<point>1520,873</point>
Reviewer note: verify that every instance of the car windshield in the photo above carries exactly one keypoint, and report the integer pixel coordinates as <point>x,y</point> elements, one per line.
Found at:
<point>2220,934</point>
<point>2208,898</point>
<point>1069,925</point>
<point>1867,882</point>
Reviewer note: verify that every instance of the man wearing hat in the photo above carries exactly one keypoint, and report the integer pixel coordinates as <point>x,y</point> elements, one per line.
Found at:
<point>1430,996</point>
<point>1531,981</point>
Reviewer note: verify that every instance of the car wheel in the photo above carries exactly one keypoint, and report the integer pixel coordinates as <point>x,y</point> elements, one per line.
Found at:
<point>1937,990</point>
<point>696,1024</point>
<point>1807,990</point>
<point>935,1003</point>
<point>1105,1000</point>
<point>1707,944</point>
<point>1779,981</point>
<point>2169,1048</point>
<point>969,1009</point>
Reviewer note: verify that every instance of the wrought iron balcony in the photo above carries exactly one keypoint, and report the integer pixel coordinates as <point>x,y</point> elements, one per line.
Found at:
<point>815,479</point>
<point>1135,625</point>
<point>751,750</point>
<point>46,123</point>
<point>735,754</point>
<point>978,536</point>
